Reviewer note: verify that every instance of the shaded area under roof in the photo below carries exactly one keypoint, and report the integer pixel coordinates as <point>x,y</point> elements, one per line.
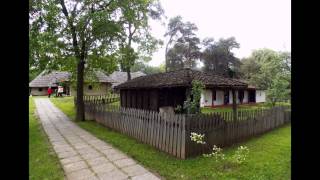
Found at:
<point>182,77</point>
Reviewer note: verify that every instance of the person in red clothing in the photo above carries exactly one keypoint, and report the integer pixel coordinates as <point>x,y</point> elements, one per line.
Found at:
<point>49,92</point>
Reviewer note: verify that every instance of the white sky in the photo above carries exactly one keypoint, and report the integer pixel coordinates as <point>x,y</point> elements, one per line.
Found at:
<point>254,23</point>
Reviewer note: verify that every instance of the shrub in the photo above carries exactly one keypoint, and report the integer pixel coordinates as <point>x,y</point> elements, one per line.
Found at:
<point>238,157</point>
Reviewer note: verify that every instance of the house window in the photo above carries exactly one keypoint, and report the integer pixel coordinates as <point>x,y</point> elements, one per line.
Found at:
<point>40,89</point>
<point>90,87</point>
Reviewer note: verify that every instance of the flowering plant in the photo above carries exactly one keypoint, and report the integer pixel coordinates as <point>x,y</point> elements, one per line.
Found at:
<point>216,153</point>
<point>240,155</point>
<point>198,138</point>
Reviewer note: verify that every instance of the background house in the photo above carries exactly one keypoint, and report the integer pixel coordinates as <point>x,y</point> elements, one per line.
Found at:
<point>121,77</point>
<point>171,88</point>
<point>100,86</point>
<point>39,86</point>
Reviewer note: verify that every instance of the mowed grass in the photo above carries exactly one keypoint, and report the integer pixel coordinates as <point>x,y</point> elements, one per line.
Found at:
<point>43,162</point>
<point>206,110</point>
<point>269,158</point>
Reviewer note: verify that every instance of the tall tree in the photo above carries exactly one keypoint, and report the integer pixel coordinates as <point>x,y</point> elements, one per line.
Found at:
<point>67,34</point>
<point>136,31</point>
<point>186,49</point>
<point>175,26</point>
<point>218,57</point>
<point>269,70</point>
<point>80,30</point>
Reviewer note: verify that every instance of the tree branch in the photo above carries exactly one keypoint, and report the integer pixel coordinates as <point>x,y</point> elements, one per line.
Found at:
<point>72,28</point>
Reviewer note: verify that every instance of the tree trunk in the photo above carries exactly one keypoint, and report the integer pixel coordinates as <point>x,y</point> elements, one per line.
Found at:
<point>80,103</point>
<point>128,74</point>
<point>166,56</point>
<point>234,105</point>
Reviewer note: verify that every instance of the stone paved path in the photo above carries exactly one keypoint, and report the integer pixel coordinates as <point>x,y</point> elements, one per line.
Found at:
<point>82,155</point>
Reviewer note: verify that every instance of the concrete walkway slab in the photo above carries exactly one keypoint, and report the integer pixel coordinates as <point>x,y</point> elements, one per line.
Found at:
<point>82,155</point>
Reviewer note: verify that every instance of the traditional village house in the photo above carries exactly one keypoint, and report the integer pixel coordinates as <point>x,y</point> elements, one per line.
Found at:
<point>171,89</point>
<point>39,85</point>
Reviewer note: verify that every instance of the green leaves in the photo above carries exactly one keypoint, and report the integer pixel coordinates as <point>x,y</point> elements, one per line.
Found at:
<point>192,105</point>
<point>218,58</point>
<point>185,50</point>
<point>269,70</point>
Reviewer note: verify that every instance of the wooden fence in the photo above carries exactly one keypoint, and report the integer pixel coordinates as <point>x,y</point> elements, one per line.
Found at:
<point>97,99</point>
<point>171,132</point>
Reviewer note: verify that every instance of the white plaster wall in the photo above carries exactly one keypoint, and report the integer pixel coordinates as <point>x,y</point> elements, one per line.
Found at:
<point>36,92</point>
<point>260,96</point>
<point>102,89</point>
<point>245,98</point>
<point>206,98</point>
<point>230,97</point>
<point>219,98</point>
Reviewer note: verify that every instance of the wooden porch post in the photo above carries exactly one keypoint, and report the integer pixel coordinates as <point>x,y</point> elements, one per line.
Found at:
<point>234,105</point>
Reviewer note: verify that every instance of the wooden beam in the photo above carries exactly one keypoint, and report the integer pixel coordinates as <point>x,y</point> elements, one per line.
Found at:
<point>234,105</point>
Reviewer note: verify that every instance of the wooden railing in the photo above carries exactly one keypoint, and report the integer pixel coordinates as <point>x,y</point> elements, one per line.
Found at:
<point>171,132</point>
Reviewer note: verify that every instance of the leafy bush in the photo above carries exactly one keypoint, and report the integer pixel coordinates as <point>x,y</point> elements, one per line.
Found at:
<point>192,104</point>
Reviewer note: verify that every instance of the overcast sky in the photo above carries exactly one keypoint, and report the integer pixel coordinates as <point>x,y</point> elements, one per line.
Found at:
<point>254,23</point>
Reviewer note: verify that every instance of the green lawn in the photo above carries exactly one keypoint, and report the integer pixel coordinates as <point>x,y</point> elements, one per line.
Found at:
<point>240,107</point>
<point>269,158</point>
<point>43,162</point>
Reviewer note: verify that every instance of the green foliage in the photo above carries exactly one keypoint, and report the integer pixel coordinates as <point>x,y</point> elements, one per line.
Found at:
<point>136,31</point>
<point>185,50</point>
<point>217,57</point>
<point>192,104</point>
<point>94,31</point>
<point>278,90</point>
<point>143,67</point>
<point>269,70</point>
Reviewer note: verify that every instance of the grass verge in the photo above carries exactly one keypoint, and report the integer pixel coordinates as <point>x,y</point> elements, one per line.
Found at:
<point>43,162</point>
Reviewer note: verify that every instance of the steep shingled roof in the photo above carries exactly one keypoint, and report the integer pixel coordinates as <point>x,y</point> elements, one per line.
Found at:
<point>182,77</point>
<point>52,78</point>
<point>103,77</point>
<point>121,77</point>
